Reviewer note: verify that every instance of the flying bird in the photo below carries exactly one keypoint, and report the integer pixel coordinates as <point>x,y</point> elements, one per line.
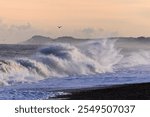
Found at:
<point>59,27</point>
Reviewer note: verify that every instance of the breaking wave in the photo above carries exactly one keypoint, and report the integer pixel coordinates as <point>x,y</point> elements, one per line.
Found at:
<point>62,59</point>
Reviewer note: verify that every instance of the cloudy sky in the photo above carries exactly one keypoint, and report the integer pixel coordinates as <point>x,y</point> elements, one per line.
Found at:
<point>20,19</point>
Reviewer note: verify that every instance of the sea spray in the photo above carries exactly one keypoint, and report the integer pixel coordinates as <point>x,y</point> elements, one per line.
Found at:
<point>63,59</point>
<point>138,58</point>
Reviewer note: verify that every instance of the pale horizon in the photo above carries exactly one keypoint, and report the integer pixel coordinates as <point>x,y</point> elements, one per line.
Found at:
<point>20,19</point>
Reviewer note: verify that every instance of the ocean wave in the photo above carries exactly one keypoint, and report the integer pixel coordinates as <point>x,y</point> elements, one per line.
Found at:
<point>62,59</point>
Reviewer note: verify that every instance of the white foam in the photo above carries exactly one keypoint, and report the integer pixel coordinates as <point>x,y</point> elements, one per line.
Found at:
<point>59,60</point>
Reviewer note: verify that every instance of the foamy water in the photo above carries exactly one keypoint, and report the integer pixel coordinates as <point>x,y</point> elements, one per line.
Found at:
<point>64,65</point>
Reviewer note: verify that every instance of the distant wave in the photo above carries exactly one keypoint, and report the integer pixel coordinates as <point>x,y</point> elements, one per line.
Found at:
<point>62,59</point>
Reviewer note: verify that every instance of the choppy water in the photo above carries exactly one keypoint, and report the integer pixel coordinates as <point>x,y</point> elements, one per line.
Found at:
<point>36,72</point>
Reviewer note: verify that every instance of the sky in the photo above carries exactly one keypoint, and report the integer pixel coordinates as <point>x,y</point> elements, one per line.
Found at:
<point>21,19</point>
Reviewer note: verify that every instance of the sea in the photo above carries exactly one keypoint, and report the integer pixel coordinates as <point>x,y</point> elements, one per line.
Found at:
<point>38,72</point>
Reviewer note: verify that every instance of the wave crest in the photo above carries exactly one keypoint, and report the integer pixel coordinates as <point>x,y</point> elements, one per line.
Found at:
<point>62,59</point>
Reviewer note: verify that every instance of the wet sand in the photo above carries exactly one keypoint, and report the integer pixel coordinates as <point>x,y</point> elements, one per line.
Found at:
<point>140,91</point>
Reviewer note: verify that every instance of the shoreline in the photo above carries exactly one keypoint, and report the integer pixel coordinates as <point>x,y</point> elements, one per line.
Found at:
<point>139,91</point>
